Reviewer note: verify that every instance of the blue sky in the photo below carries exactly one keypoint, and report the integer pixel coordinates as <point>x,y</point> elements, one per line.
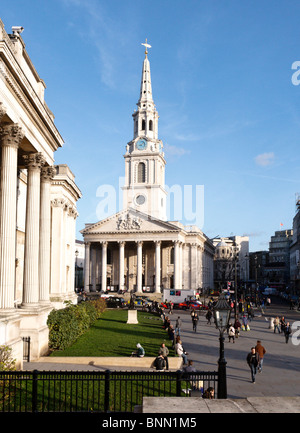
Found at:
<point>222,84</point>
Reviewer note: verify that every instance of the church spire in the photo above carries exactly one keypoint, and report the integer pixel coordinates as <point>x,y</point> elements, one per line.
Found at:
<point>146,99</point>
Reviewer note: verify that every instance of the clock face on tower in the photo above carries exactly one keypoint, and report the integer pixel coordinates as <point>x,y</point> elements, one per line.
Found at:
<point>141,144</point>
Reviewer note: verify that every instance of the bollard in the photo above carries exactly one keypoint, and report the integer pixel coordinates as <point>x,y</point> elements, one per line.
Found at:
<point>271,323</point>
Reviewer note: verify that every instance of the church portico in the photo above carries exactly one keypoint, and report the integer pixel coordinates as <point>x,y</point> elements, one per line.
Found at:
<point>144,261</point>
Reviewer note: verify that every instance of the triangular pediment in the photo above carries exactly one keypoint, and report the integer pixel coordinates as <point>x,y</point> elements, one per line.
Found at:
<point>130,221</point>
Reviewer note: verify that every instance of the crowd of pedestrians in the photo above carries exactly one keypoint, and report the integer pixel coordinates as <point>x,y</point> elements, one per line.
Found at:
<point>282,327</point>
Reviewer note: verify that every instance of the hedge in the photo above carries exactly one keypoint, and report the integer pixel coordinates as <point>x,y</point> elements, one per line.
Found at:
<point>67,324</point>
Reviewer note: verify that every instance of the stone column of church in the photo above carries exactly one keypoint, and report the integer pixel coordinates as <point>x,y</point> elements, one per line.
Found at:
<point>104,266</point>
<point>47,174</point>
<point>94,258</point>
<point>180,266</point>
<point>11,136</point>
<point>87,267</point>
<point>34,162</point>
<point>176,265</point>
<point>157,266</point>
<point>121,264</point>
<point>139,266</point>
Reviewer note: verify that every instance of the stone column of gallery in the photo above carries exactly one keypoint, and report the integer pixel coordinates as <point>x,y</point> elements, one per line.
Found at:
<point>157,266</point>
<point>10,136</point>
<point>121,264</point>
<point>139,276</point>
<point>194,265</point>
<point>87,267</point>
<point>34,163</point>
<point>104,266</point>
<point>47,174</point>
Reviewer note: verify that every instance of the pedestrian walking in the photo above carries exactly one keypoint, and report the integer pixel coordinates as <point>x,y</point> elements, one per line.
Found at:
<point>195,319</point>
<point>208,317</point>
<point>282,324</point>
<point>237,326</point>
<point>178,325</point>
<point>231,333</point>
<point>276,325</point>
<point>287,332</point>
<point>253,361</point>
<point>259,348</point>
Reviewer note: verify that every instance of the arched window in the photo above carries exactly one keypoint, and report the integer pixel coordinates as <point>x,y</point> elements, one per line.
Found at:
<point>143,125</point>
<point>150,125</point>
<point>141,173</point>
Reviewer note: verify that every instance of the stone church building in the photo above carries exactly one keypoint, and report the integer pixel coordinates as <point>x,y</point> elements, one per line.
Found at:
<point>137,249</point>
<point>37,205</point>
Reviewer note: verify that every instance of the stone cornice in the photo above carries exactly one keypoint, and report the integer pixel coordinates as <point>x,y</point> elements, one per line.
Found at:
<point>19,85</point>
<point>69,186</point>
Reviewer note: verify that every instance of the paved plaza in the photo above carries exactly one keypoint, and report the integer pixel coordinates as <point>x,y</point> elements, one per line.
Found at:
<point>281,368</point>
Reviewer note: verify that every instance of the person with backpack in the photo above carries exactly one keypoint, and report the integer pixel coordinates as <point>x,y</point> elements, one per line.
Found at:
<point>159,362</point>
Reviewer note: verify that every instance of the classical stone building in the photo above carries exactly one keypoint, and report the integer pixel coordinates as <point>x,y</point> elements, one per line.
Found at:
<point>37,205</point>
<point>295,252</point>
<point>137,249</point>
<point>231,261</point>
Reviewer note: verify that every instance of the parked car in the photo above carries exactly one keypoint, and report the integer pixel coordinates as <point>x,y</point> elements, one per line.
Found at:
<point>115,302</point>
<point>190,305</point>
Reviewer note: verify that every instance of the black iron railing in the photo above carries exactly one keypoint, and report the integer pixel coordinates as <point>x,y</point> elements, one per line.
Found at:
<point>93,391</point>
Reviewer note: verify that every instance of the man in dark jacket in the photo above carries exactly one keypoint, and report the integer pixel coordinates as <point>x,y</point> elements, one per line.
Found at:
<point>253,361</point>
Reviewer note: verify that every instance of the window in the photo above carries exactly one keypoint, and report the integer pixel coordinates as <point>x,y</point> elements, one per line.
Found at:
<point>150,125</point>
<point>143,125</point>
<point>172,256</point>
<point>141,173</point>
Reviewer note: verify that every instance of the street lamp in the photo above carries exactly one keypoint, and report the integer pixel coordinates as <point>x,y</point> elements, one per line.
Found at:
<point>221,312</point>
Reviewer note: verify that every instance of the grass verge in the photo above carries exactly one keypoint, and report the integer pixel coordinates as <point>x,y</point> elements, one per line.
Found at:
<point>112,336</point>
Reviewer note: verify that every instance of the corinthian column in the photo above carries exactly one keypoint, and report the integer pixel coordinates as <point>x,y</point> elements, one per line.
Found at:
<point>87,266</point>
<point>104,267</point>
<point>121,264</point>
<point>157,266</point>
<point>10,136</point>
<point>34,162</point>
<point>47,174</point>
<point>139,276</point>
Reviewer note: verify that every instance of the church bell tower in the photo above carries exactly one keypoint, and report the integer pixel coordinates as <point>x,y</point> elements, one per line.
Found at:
<point>144,159</point>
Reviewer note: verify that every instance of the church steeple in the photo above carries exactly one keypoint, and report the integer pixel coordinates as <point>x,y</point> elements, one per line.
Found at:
<point>146,87</point>
<point>144,158</point>
<point>145,118</point>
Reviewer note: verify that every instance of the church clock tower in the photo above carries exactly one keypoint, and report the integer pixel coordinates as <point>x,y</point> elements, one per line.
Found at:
<point>144,158</point>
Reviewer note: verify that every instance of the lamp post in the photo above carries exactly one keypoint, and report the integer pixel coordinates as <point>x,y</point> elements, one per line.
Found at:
<point>221,312</point>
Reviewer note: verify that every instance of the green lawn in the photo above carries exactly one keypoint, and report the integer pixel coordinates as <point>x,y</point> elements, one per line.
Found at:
<point>112,336</point>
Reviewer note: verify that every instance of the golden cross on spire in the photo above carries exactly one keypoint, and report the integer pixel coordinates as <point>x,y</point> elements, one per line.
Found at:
<point>146,45</point>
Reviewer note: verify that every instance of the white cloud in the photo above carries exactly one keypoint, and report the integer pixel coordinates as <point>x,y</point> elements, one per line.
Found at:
<point>265,159</point>
<point>175,150</point>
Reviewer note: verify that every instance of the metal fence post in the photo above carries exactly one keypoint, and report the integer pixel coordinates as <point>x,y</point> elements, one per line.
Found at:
<point>34,390</point>
<point>106,390</point>
<point>178,383</point>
